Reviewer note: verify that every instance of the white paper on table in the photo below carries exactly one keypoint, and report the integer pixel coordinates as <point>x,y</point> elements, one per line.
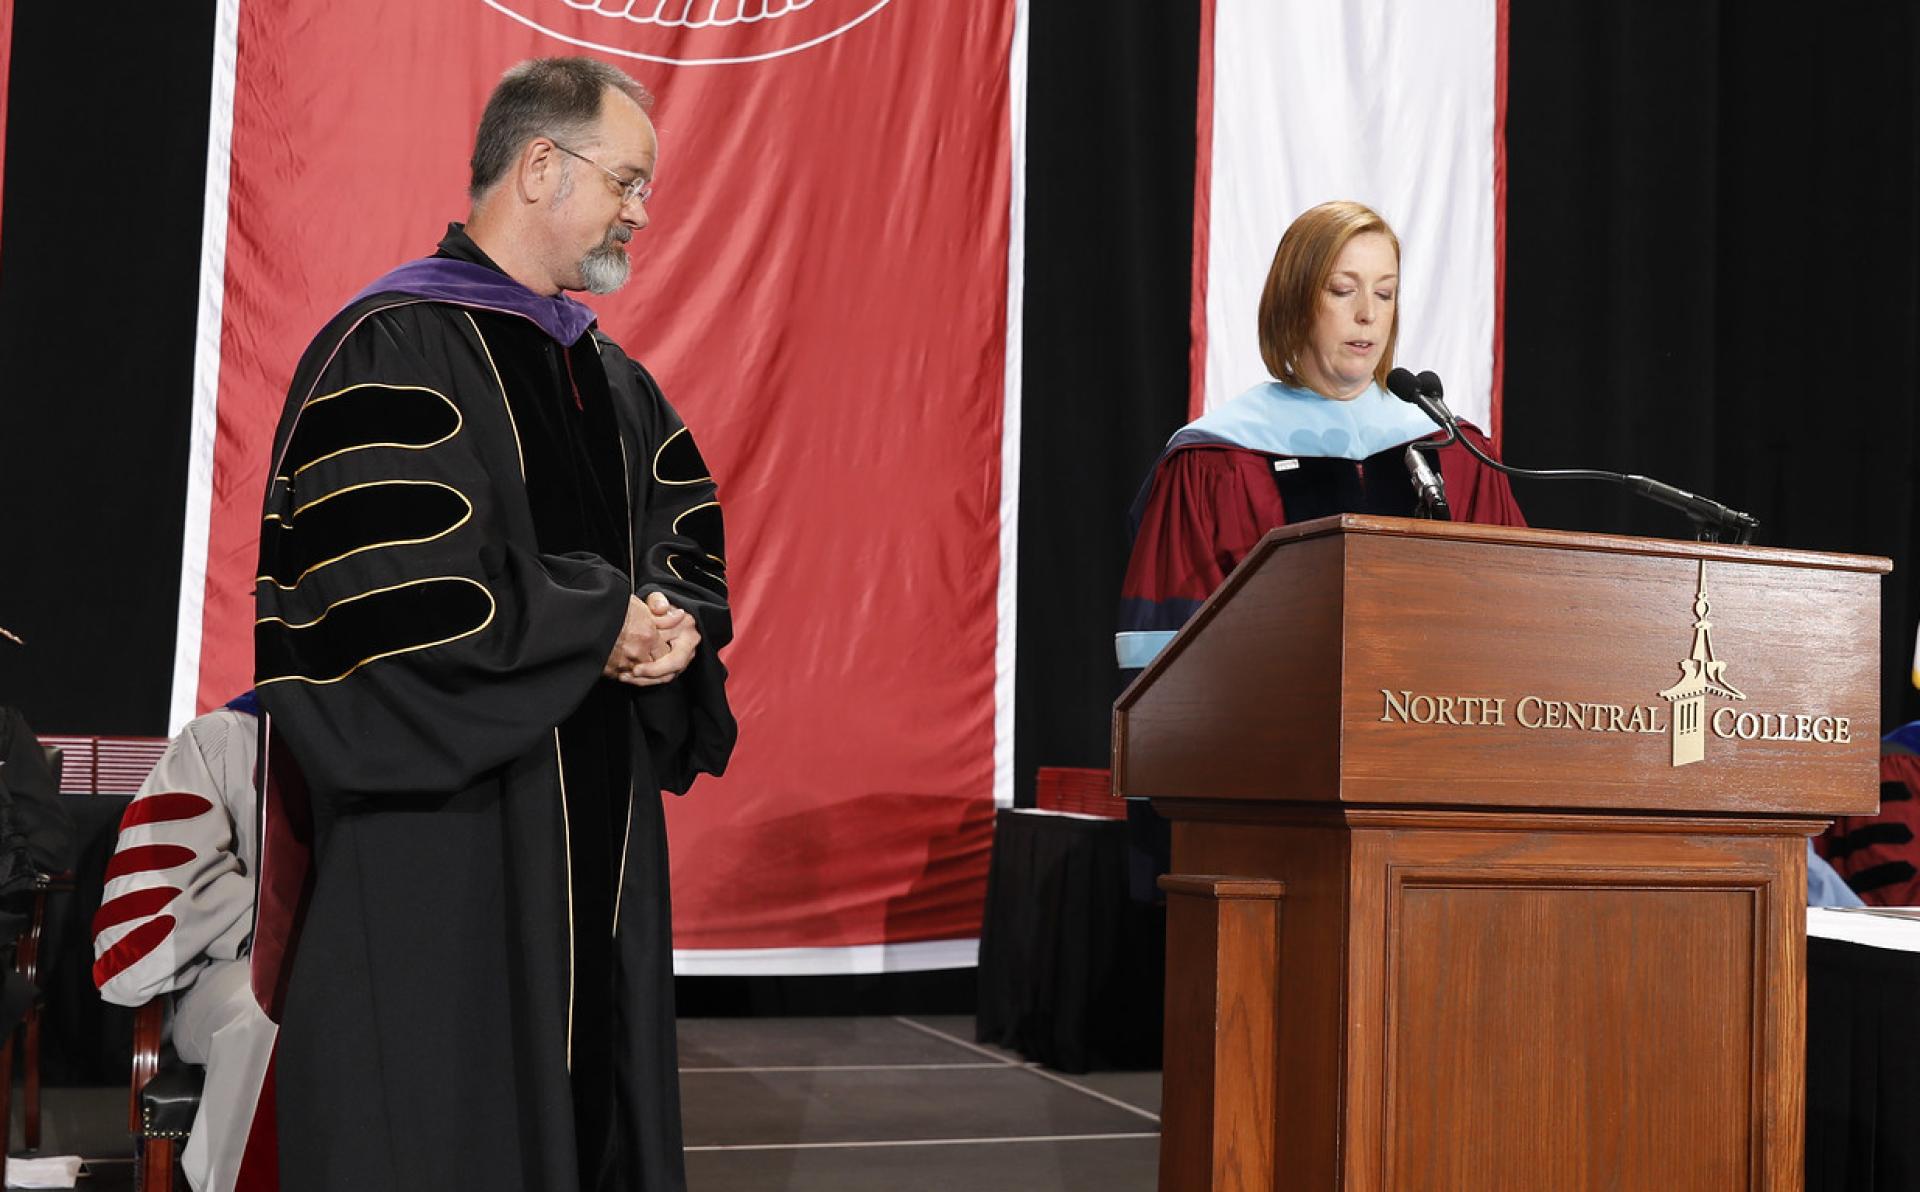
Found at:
<point>1897,928</point>
<point>43,1171</point>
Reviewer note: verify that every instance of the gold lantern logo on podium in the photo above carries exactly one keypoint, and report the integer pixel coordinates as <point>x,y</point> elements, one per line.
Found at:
<point>1701,675</point>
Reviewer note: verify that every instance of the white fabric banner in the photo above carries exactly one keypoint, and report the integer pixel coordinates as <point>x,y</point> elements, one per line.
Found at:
<point>1388,102</point>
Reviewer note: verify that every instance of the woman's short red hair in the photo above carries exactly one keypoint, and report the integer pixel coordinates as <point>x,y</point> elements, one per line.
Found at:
<point>1299,273</point>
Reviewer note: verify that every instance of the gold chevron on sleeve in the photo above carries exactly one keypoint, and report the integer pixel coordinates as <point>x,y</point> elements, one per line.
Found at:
<point>685,456</point>
<point>413,511</point>
<point>689,512</point>
<point>359,630</point>
<point>367,415</point>
<point>693,567</point>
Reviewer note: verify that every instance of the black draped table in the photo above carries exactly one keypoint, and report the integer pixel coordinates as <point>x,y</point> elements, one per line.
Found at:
<point>1863,1053</point>
<point>1071,969</point>
<point>83,1040</point>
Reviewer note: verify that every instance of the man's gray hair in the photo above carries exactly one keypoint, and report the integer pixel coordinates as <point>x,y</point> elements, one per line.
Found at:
<point>542,97</point>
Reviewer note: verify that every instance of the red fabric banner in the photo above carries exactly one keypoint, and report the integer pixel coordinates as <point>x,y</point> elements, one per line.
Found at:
<point>823,295</point>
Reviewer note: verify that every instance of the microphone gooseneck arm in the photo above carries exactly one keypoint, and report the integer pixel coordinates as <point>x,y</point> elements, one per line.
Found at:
<point>1427,486</point>
<point>1710,517</point>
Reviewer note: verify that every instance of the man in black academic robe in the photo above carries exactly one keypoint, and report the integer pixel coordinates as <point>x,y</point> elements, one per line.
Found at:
<point>492,585</point>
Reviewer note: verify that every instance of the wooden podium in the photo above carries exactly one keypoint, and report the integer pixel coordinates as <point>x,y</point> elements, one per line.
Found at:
<point>1488,855</point>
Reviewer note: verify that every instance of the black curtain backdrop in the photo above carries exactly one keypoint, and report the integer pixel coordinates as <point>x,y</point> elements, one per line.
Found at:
<point>106,149</point>
<point>1713,278</point>
<point>1110,150</point>
<point>1714,273</point>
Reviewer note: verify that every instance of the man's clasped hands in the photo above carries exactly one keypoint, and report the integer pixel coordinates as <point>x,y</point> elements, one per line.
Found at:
<point>655,644</point>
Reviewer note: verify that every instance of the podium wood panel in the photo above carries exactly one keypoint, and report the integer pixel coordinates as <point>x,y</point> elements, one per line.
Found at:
<point>1223,1123</point>
<point>1275,689</point>
<point>1541,1034</point>
<point>1494,1000</point>
<point>1607,627</point>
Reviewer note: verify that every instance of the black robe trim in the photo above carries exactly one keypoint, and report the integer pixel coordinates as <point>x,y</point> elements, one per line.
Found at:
<point>417,615</point>
<point>413,512</point>
<point>362,417</point>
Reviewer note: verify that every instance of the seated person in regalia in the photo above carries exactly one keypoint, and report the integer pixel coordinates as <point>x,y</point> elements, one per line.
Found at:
<point>176,919</point>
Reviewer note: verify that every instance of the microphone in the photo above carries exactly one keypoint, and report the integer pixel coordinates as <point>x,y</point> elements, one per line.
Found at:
<point>1427,486</point>
<point>1425,391</point>
<point>1702,510</point>
<point>1710,517</point>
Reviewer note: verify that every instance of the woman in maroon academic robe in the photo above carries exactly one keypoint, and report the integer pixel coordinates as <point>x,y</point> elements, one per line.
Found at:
<point>1323,437</point>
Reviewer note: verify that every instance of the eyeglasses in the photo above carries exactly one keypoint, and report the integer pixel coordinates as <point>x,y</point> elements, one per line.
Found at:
<point>639,190</point>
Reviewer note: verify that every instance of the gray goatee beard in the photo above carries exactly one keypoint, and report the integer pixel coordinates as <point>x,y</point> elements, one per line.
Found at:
<point>605,269</point>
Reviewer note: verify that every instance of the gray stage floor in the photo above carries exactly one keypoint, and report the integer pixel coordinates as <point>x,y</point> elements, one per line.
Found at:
<point>831,1105</point>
